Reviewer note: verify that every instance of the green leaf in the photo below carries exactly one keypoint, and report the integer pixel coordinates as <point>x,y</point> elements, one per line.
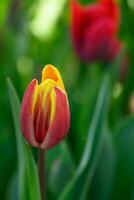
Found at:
<point>102,182</point>
<point>79,185</point>
<point>28,179</point>
<point>84,100</point>
<point>60,168</point>
<point>124,145</point>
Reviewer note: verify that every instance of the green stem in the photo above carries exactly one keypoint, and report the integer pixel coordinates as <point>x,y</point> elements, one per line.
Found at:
<point>41,172</point>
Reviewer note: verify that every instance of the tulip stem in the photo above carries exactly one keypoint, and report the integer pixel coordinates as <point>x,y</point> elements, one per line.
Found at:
<point>41,172</point>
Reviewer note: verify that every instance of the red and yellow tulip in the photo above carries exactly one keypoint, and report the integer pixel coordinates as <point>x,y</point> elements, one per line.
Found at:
<point>45,115</point>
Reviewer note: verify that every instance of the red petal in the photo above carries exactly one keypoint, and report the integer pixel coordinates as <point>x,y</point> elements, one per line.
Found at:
<point>27,112</point>
<point>59,119</point>
<point>77,23</point>
<point>102,43</point>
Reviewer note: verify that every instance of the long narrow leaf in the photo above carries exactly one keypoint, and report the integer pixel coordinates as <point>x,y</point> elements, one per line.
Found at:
<point>28,180</point>
<point>78,187</point>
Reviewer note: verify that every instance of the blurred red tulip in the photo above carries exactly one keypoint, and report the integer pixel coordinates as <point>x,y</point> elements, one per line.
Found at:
<point>45,115</point>
<point>94,30</point>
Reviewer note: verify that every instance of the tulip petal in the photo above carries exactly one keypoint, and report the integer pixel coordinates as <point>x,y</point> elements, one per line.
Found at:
<point>27,112</point>
<point>42,110</point>
<point>103,44</point>
<point>59,118</point>
<point>50,72</point>
<point>77,25</point>
<point>112,9</point>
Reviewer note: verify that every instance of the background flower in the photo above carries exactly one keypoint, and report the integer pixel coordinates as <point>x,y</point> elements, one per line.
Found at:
<point>94,30</point>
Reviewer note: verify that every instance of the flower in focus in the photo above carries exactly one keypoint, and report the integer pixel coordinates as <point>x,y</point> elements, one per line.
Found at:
<point>45,115</point>
<point>94,30</point>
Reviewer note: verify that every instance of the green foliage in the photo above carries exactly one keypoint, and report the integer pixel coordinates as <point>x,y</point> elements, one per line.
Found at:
<point>79,185</point>
<point>61,168</point>
<point>124,179</point>
<point>105,170</point>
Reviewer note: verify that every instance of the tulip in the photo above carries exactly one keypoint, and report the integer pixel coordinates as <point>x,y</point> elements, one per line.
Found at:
<point>45,116</point>
<point>94,30</point>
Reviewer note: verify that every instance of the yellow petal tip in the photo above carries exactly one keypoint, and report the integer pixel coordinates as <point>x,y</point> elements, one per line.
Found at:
<point>51,72</point>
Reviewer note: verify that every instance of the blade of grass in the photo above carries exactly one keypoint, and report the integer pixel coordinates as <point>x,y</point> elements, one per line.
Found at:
<point>78,186</point>
<point>28,179</point>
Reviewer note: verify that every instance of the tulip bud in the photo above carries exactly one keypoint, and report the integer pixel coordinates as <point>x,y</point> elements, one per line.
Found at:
<point>45,115</point>
<point>94,30</point>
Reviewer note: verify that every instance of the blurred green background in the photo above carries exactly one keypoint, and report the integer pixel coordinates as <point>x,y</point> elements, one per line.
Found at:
<point>37,32</point>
